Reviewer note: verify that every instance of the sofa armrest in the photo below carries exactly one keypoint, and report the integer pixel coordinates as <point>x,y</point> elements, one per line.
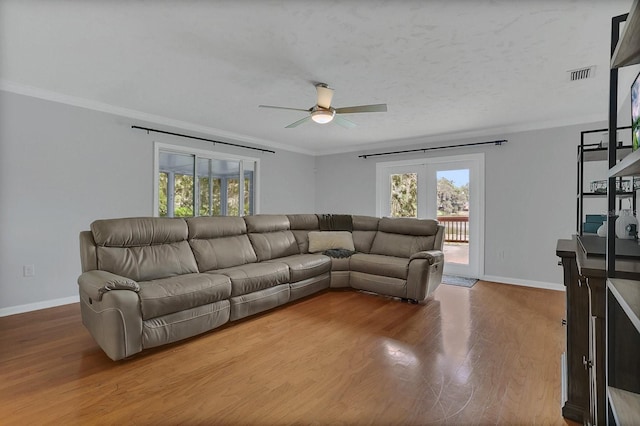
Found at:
<point>96,283</point>
<point>432,256</point>
<point>425,274</point>
<point>113,318</point>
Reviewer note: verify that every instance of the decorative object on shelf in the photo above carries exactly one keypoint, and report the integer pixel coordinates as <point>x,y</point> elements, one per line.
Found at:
<point>626,225</point>
<point>602,231</point>
<point>593,222</point>
<point>599,186</point>
<point>622,186</point>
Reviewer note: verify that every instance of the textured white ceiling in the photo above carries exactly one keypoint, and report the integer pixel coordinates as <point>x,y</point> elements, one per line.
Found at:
<point>443,67</point>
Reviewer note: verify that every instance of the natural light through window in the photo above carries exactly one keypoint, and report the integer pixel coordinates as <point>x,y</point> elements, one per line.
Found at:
<point>216,190</point>
<point>404,195</point>
<point>453,213</point>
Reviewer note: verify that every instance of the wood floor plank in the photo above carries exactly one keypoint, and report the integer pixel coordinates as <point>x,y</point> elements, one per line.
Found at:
<point>485,355</point>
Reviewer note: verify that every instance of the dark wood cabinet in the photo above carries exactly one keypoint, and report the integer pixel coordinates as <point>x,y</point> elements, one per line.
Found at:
<point>585,282</point>
<point>586,294</point>
<point>575,380</point>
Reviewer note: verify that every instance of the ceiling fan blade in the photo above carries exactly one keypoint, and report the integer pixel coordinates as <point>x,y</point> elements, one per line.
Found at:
<point>279,107</point>
<point>299,122</point>
<point>362,108</point>
<point>324,96</point>
<point>341,121</point>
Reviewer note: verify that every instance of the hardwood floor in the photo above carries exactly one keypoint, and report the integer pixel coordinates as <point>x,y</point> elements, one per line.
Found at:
<point>485,355</point>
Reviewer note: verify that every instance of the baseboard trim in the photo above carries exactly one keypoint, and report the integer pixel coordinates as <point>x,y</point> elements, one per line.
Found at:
<point>20,309</point>
<point>525,283</point>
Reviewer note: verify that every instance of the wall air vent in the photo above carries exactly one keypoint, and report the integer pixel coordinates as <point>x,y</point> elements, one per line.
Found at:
<point>582,73</point>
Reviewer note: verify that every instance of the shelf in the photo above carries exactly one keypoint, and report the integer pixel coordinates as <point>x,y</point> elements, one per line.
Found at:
<point>628,49</point>
<point>601,154</point>
<point>625,406</point>
<point>629,166</point>
<point>627,293</point>
<point>604,194</point>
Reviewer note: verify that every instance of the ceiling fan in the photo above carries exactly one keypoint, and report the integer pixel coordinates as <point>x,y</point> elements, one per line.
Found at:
<point>322,112</point>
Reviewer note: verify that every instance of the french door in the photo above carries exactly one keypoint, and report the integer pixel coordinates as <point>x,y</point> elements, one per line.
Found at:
<point>449,189</point>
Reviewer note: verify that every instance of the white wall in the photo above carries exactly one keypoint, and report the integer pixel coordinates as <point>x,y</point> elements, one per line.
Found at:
<point>530,189</point>
<point>61,167</point>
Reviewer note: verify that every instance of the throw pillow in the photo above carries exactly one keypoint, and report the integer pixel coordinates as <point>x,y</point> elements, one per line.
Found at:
<point>326,240</point>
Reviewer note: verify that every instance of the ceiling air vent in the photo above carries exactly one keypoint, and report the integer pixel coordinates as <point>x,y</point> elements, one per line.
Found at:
<point>582,73</point>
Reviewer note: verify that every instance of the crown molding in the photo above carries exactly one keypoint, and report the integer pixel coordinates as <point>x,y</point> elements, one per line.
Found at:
<point>48,95</point>
<point>36,92</point>
<point>432,140</point>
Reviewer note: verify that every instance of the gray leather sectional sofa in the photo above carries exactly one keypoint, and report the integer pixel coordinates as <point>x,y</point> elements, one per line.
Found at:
<point>147,282</point>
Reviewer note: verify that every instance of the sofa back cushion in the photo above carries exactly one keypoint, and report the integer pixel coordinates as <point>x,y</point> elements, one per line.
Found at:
<point>271,236</point>
<point>402,237</point>
<point>143,248</point>
<point>301,225</point>
<point>220,242</point>
<point>364,231</point>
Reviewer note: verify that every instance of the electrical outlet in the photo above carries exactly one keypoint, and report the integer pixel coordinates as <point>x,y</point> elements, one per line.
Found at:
<point>29,270</point>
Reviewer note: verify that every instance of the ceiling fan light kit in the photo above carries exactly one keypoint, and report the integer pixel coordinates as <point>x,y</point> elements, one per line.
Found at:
<point>323,116</point>
<point>322,112</point>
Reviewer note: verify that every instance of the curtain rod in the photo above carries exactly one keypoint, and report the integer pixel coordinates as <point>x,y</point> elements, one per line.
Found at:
<point>497,143</point>
<point>202,139</point>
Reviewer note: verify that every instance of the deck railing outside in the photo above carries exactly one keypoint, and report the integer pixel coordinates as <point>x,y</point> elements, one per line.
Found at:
<point>456,228</point>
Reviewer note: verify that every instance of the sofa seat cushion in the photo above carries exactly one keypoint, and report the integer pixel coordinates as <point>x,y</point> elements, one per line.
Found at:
<point>303,266</point>
<point>168,295</point>
<point>255,276</point>
<point>181,325</point>
<point>376,264</point>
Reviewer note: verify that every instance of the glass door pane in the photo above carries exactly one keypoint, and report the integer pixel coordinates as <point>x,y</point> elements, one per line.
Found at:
<point>453,213</point>
<point>404,194</point>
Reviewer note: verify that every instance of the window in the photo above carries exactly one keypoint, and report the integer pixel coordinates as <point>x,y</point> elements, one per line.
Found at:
<point>191,182</point>
<point>404,195</point>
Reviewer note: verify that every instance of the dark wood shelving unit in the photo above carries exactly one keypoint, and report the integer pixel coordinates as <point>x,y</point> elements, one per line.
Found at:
<point>627,49</point>
<point>597,152</point>
<point>622,316</point>
<point>628,166</point>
